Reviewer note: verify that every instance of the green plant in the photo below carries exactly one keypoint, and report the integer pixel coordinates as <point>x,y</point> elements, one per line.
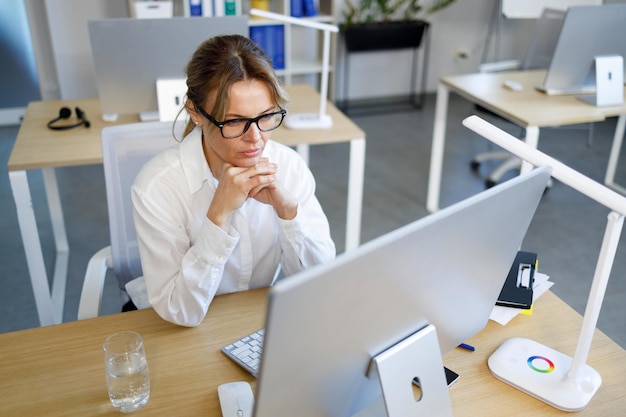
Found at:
<point>363,11</point>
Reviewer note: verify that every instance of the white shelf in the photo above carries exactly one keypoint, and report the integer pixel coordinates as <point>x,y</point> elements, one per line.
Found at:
<point>262,22</point>
<point>303,56</point>
<point>305,66</point>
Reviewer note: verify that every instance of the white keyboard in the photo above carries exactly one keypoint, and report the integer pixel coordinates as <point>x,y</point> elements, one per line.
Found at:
<point>246,352</point>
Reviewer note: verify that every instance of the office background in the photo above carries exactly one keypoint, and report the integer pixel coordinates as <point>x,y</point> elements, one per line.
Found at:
<point>566,232</point>
<point>65,70</point>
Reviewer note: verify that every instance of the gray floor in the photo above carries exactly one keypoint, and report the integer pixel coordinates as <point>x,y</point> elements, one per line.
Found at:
<point>566,231</point>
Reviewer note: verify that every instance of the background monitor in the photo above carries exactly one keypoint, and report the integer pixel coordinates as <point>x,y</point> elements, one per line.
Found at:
<point>130,55</point>
<point>587,32</point>
<point>543,41</point>
<point>324,325</point>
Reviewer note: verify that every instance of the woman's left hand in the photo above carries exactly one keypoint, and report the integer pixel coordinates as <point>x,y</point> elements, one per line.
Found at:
<point>277,196</point>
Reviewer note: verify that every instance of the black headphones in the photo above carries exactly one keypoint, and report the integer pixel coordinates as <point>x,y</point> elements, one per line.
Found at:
<point>65,113</point>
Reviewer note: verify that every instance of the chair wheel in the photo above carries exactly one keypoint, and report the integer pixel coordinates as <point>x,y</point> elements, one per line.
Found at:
<point>474,165</point>
<point>490,183</point>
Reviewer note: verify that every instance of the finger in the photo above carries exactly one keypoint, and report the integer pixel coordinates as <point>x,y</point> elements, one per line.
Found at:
<point>265,181</point>
<point>254,191</point>
<point>225,169</point>
<point>266,167</point>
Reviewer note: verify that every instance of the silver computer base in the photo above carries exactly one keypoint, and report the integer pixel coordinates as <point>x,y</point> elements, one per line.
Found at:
<point>411,379</point>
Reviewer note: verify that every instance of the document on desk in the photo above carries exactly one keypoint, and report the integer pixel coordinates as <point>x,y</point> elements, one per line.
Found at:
<point>503,315</point>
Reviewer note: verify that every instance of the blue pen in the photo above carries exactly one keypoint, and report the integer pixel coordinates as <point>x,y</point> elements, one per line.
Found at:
<point>468,347</point>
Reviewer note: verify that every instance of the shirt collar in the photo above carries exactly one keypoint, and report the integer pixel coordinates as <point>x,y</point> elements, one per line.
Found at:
<point>195,166</point>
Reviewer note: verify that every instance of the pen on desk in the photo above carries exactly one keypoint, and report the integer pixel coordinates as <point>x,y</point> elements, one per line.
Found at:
<point>468,347</point>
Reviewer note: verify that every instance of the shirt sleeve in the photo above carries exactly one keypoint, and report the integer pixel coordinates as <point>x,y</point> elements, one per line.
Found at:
<point>184,276</point>
<point>305,239</point>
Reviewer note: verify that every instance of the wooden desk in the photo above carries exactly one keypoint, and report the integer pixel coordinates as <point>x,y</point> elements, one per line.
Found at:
<point>37,147</point>
<point>528,108</point>
<point>59,370</point>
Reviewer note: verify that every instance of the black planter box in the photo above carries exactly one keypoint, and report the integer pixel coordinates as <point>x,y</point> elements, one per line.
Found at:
<point>384,36</point>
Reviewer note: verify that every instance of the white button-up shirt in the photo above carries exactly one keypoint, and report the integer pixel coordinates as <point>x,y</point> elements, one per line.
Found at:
<point>187,260</point>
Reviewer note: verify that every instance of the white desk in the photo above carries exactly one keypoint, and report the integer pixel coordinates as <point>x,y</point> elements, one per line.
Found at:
<point>527,108</point>
<point>37,147</point>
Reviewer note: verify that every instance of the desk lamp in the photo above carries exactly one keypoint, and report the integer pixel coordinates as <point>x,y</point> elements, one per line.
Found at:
<point>319,120</point>
<point>563,382</point>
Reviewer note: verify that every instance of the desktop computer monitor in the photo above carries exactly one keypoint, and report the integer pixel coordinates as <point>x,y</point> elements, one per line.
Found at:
<point>130,55</point>
<point>587,32</point>
<point>324,325</point>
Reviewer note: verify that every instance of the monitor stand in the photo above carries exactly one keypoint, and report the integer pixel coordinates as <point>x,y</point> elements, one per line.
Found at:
<point>308,121</point>
<point>145,116</point>
<point>149,116</point>
<point>414,363</point>
<point>109,117</point>
<point>609,75</point>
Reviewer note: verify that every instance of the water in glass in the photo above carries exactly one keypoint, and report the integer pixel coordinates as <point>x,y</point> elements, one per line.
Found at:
<point>127,374</point>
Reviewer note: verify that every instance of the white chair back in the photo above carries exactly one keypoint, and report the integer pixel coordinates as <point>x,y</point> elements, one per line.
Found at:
<point>125,149</point>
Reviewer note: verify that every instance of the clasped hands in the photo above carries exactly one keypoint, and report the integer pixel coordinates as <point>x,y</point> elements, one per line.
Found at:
<point>237,184</point>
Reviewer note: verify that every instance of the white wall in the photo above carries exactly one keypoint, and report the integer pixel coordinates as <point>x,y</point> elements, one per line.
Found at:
<point>65,69</point>
<point>461,27</point>
<point>18,77</point>
<point>61,44</point>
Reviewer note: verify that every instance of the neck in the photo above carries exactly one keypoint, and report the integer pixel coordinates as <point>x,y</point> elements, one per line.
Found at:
<point>215,165</point>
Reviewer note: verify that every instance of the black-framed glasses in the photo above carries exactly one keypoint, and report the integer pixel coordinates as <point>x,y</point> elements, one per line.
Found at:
<point>234,128</point>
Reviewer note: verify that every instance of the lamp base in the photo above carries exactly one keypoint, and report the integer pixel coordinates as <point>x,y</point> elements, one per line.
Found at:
<point>542,372</point>
<point>308,121</point>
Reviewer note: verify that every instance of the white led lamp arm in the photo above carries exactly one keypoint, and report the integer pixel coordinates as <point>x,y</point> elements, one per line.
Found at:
<point>318,120</point>
<point>573,388</point>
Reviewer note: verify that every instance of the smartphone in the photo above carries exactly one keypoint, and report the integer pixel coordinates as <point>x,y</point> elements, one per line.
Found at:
<point>451,377</point>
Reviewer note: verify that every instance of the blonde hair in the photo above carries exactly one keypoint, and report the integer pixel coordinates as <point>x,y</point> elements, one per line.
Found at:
<point>221,61</point>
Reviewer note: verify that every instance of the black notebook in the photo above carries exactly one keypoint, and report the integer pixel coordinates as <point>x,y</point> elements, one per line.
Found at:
<point>518,287</point>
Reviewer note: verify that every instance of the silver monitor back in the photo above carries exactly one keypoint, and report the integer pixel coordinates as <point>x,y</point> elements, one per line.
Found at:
<point>325,324</point>
<point>544,39</point>
<point>131,54</point>
<point>587,32</point>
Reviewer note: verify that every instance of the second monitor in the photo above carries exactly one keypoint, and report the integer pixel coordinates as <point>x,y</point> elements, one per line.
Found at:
<point>130,55</point>
<point>587,32</point>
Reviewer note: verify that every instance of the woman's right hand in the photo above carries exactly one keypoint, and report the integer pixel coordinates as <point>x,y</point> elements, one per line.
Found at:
<point>234,188</point>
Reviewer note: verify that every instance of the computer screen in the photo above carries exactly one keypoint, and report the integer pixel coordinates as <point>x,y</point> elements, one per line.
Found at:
<point>324,325</point>
<point>130,55</point>
<point>587,32</point>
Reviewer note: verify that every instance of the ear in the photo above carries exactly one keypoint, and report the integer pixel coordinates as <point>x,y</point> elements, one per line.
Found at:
<point>193,113</point>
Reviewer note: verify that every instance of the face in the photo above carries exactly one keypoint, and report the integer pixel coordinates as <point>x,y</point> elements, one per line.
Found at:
<point>247,99</point>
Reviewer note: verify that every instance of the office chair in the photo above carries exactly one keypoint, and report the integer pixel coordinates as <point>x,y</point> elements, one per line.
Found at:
<point>538,56</point>
<point>125,149</point>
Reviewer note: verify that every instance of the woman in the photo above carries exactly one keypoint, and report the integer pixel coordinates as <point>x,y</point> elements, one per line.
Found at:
<point>222,210</point>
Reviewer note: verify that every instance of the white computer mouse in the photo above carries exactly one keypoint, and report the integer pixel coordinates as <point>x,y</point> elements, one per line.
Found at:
<point>236,399</point>
<point>513,85</point>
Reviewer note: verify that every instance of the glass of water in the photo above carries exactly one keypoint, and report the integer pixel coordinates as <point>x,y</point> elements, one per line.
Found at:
<point>128,379</point>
